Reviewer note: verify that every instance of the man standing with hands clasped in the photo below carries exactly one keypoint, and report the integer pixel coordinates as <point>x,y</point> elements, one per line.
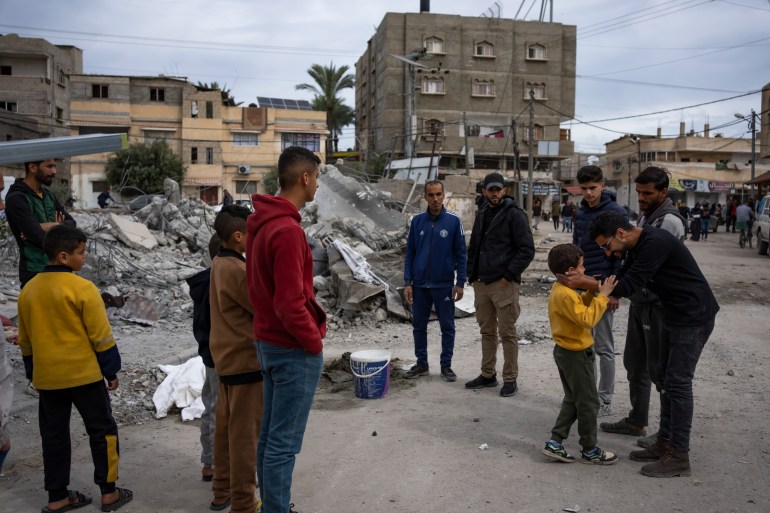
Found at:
<point>434,275</point>
<point>501,247</point>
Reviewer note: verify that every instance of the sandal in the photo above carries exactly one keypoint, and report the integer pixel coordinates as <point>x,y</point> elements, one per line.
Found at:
<point>124,497</point>
<point>82,501</point>
<point>219,507</point>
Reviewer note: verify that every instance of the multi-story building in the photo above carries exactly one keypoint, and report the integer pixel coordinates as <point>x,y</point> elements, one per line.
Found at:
<point>222,146</point>
<point>35,89</point>
<point>471,78</point>
<point>703,166</point>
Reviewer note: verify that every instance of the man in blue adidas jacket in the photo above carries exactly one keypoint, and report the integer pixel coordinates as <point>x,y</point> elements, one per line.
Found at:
<point>434,275</point>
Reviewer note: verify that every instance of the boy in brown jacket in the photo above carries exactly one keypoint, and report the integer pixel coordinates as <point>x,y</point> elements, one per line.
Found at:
<point>239,405</point>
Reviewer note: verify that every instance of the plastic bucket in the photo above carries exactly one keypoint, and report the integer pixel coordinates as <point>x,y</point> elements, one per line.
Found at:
<point>371,371</point>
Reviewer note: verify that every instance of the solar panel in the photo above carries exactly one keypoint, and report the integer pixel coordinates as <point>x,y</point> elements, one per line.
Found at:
<point>280,103</point>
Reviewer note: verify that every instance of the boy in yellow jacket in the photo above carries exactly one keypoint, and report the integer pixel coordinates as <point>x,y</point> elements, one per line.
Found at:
<point>69,351</point>
<point>572,315</point>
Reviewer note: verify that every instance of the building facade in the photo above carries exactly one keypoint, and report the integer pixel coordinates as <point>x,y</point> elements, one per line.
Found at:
<point>471,79</point>
<point>222,146</point>
<point>704,166</point>
<point>35,90</point>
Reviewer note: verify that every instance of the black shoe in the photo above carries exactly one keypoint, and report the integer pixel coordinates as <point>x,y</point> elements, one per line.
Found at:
<point>623,427</point>
<point>482,382</point>
<point>448,374</point>
<point>509,388</point>
<point>416,371</point>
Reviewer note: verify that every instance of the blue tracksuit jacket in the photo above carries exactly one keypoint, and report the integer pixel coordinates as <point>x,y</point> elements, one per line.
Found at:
<point>435,250</point>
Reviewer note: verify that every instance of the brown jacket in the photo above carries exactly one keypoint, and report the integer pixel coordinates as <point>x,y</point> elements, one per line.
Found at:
<point>231,340</point>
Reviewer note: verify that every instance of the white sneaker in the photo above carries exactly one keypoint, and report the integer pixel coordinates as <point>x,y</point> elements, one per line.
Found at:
<point>605,410</point>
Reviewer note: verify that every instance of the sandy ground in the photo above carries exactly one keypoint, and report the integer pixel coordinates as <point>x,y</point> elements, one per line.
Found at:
<point>425,455</point>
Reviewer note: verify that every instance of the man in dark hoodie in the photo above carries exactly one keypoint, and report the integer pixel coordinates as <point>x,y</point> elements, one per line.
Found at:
<point>500,249</point>
<point>645,315</point>
<point>289,325</point>
<point>597,200</point>
<point>199,292</point>
<point>32,210</point>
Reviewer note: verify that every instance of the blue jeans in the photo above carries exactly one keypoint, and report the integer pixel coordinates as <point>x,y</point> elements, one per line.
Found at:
<point>441,298</point>
<point>291,377</point>
<point>704,227</point>
<point>680,349</point>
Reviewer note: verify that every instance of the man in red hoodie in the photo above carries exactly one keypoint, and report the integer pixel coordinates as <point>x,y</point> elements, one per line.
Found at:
<point>289,325</point>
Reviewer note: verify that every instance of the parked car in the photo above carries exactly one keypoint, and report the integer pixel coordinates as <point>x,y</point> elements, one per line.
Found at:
<point>762,226</point>
<point>142,201</point>
<point>242,202</point>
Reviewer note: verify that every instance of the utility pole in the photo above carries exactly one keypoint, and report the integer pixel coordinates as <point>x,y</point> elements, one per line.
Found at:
<point>409,111</point>
<point>516,163</point>
<point>753,148</point>
<point>467,149</point>
<point>531,157</point>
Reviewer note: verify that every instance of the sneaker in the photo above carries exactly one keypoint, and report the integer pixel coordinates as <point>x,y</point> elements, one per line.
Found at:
<point>605,410</point>
<point>509,388</point>
<point>481,382</point>
<point>448,374</point>
<point>557,451</point>
<point>597,456</point>
<point>647,440</point>
<point>416,371</point>
<point>622,427</point>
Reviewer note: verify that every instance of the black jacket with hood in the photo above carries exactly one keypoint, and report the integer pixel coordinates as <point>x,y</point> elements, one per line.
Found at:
<point>199,292</point>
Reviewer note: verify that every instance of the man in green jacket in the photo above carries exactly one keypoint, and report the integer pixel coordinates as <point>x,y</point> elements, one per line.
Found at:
<point>32,210</point>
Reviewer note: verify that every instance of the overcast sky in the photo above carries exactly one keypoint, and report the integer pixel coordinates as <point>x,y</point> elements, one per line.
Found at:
<point>686,52</point>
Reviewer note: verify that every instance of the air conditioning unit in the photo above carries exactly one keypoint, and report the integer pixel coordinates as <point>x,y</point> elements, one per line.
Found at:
<point>244,169</point>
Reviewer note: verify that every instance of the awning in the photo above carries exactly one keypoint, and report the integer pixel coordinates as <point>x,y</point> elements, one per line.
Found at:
<point>573,189</point>
<point>763,178</point>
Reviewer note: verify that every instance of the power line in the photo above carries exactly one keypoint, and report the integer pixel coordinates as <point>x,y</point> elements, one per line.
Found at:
<point>652,84</point>
<point>643,18</point>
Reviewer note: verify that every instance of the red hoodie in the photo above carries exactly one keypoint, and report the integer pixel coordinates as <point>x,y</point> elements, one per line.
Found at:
<point>279,276</point>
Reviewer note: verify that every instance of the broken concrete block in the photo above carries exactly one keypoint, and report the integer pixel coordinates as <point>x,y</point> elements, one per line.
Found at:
<point>135,235</point>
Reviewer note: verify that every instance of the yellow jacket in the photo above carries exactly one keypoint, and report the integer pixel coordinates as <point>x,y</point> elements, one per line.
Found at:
<point>64,335</point>
<point>572,316</point>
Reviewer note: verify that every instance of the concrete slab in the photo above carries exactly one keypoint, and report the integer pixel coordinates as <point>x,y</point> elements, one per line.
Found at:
<point>135,235</point>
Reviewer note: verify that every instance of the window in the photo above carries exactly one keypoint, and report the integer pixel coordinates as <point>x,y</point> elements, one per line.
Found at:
<point>434,45</point>
<point>194,155</point>
<point>474,130</point>
<point>311,142</point>
<point>157,94</point>
<point>60,76</point>
<point>158,135</point>
<point>484,49</point>
<point>59,114</point>
<point>98,186</point>
<point>100,91</point>
<point>432,85</point>
<point>194,109</point>
<point>536,52</point>
<point>243,139</point>
<point>245,187</point>
<point>5,70</point>
<point>483,88</point>
<point>9,106</point>
<point>433,127</point>
<point>209,110</point>
<point>538,88</point>
<point>539,132</point>
<point>209,155</point>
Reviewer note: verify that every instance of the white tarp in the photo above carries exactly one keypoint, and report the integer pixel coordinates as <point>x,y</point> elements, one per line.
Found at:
<point>361,269</point>
<point>181,388</point>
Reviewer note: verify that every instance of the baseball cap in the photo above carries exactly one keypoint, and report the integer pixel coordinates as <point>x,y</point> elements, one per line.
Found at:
<point>494,180</point>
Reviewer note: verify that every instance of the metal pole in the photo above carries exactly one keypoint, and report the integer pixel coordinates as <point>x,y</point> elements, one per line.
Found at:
<point>531,157</point>
<point>409,128</point>
<point>753,148</point>
<point>629,181</point>
<point>516,163</point>
<point>638,163</point>
<point>467,149</point>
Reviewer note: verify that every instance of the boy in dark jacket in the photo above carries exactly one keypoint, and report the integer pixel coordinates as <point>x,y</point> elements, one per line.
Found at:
<point>199,292</point>
<point>596,200</point>
<point>32,210</point>
<point>435,252</point>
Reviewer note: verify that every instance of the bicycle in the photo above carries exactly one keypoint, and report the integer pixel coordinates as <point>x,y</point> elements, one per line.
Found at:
<point>744,237</point>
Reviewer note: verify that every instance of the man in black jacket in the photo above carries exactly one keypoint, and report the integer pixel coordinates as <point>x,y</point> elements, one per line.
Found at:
<point>32,210</point>
<point>501,248</point>
<point>660,261</point>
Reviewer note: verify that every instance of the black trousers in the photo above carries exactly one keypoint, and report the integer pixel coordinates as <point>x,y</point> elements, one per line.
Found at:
<point>93,403</point>
<point>640,358</point>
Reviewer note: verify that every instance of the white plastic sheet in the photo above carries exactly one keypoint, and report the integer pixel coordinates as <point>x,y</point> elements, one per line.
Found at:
<point>181,388</point>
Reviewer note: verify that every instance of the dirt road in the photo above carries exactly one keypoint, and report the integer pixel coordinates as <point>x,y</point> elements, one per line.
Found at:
<point>425,455</point>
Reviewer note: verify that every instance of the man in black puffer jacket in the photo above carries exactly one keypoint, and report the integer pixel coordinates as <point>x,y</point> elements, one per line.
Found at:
<point>597,200</point>
<point>500,249</point>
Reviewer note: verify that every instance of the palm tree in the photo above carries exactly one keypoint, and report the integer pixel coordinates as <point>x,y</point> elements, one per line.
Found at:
<point>329,82</point>
<point>228,99</point>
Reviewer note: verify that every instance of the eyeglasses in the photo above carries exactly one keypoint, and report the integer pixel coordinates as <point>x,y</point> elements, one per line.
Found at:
<point>606,245</point>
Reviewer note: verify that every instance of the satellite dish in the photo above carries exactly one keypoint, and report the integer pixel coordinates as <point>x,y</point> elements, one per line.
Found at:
<point>409,61</point>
